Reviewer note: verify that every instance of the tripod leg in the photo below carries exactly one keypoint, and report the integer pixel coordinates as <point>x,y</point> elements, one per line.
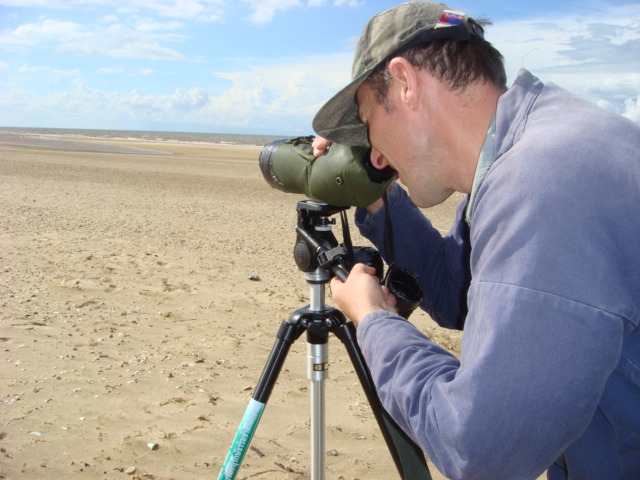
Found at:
<point>317,372</point>
<point>242,440</point>
<point>287,334</point>
<point>408,457</point>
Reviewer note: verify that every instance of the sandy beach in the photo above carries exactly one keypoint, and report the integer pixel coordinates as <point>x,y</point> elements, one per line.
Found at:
<point>128,318</point>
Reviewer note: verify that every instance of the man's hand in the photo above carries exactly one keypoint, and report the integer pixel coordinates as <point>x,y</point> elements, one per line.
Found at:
<point>361,293</point>
<point>320,146</point>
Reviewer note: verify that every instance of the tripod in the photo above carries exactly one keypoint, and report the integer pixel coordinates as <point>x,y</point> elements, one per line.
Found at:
<point>318,254</point>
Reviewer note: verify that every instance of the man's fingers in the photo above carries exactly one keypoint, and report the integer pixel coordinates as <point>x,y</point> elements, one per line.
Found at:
<point>320,146</point>
<point>364,268</point>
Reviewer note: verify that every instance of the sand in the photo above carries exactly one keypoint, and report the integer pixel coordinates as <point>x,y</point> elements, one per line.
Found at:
<point>128,318</point>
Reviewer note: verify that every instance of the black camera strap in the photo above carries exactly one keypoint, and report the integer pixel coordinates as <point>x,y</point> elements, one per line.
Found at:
<point>346,237</point>
<point>388,233</point>
<point>402,283</point>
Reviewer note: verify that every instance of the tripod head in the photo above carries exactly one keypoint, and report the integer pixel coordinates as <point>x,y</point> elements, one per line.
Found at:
<point>317,250</point>
<point>317,247</point>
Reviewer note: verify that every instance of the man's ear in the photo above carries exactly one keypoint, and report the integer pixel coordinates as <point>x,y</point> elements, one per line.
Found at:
<point>405,77</point>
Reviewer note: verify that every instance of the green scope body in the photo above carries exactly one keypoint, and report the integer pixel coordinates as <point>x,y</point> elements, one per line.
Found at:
<point>343,176</point>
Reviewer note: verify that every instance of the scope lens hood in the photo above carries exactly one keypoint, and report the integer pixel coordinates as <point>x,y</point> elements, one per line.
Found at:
<point>266,159</point>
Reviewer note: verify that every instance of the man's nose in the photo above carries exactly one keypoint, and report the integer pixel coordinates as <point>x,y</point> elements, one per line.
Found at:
<point>378,160</point>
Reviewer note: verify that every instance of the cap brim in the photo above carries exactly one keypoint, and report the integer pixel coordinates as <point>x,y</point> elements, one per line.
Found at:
<point>338,119</point>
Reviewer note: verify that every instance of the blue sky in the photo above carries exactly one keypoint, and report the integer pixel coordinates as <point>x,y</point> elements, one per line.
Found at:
<point>266,66</point>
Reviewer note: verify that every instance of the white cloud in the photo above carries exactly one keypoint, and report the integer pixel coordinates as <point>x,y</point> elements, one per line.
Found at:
<point>58,74</point>
<point>205,10</point>
<point>113,41</point>
<point>32,34</point>
<point>264,10</point>
<point>336,3</point>
<point>188,100</point>
<point>287,88</point>
<point>110,70</point>
<point>153,26</point>
<point>632,109</point>
<point>348,3</point>
<point>50,74</point>
<point>33,69</point>
<point>109,19</point>
<point>594,56</point>
<point>265,97</point>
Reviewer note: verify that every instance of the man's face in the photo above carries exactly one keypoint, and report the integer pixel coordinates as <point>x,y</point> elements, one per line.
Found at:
<point>401,137</point>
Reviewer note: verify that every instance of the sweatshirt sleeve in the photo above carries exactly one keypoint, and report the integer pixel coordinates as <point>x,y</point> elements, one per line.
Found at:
<point>524,388</point>
<point>441,263</point>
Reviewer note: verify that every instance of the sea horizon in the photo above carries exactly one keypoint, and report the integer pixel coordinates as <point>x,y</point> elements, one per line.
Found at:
<point>57,133</point>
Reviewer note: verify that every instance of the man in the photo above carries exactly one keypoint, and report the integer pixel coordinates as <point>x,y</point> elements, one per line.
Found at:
<point>541,266</point>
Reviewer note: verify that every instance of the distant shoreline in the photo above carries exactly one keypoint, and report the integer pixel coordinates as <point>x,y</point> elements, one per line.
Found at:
<point>19,135</point>
<point>34,141</point>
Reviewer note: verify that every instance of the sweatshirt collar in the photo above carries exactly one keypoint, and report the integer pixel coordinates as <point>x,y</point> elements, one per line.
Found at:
<point>484,164</point>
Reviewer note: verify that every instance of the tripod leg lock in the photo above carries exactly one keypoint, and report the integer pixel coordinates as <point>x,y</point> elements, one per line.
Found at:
<point>318,361</point>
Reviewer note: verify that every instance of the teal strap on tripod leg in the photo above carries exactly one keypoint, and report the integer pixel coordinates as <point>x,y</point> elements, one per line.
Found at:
<point>242,440</point>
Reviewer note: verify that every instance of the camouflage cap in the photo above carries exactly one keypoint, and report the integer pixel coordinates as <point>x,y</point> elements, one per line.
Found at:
<point>404,25</point>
